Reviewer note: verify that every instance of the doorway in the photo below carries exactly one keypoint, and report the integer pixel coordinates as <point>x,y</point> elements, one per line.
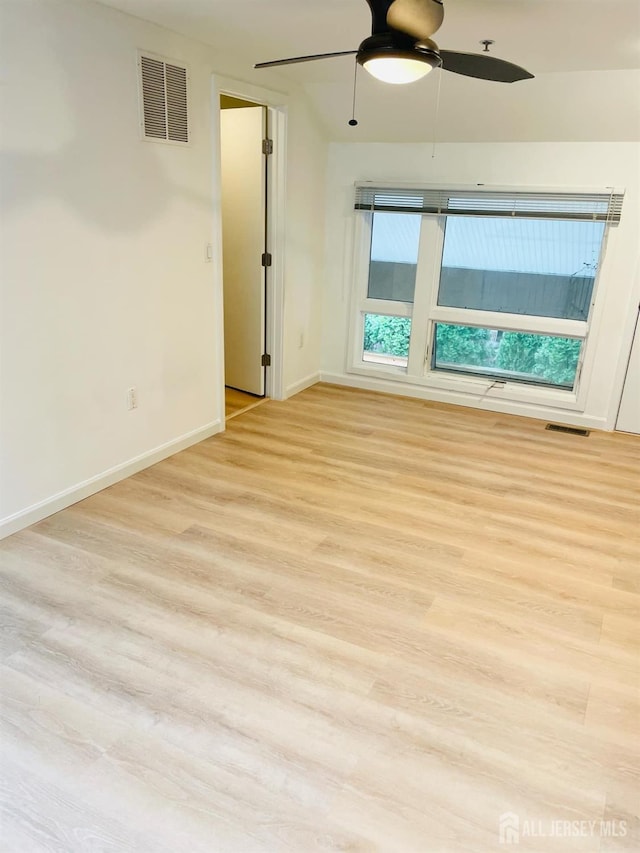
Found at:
<point>244,162</point>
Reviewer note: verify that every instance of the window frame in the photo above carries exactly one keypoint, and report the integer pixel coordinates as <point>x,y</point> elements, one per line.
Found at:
<point>425,313</point>
<point>362,304</point>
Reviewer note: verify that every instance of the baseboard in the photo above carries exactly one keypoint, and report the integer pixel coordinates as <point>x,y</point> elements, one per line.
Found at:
<point>506,407</point>
<point>307,382</point>
<point>24,518</point>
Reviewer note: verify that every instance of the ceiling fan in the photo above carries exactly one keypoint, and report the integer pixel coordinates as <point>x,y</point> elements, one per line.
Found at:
<point>400,48</point>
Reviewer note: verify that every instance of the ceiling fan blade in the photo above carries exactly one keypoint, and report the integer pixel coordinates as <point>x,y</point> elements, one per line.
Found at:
<point>418,18</point>
<point>483,67</point>
<point>295,59</point>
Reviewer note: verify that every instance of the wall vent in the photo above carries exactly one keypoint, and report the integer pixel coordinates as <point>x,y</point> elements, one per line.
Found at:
<point>570,430</point>
<point>163,89</point>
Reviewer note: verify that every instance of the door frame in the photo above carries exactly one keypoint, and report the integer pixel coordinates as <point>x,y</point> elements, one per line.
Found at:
<point>276,104</point>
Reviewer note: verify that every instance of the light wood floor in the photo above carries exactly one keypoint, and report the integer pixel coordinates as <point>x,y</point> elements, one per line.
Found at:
<point>352,622</point>
<point>236,402</point>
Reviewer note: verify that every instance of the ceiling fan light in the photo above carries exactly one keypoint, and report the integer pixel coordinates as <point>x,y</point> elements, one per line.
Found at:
<point>398,69</point>
<point>397,58</point>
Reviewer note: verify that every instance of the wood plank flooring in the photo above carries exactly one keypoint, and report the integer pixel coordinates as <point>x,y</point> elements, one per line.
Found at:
<point>351,622</point>
<point>236,402</point>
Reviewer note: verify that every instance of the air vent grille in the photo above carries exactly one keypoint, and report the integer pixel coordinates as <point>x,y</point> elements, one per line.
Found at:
<point>164,100</point>
<point>176,79</point>
<point>153,98</point>
<point>570,430</point>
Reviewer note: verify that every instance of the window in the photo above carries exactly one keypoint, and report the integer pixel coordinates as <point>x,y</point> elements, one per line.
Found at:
<point>477,285</point>
<point>521,356</point>
<point>394,256</point>
<point>537,267</point>
<point>386,339</point>
<point>390,271</point>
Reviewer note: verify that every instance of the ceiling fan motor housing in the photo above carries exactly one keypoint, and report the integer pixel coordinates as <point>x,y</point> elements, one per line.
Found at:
<point>417,18</point>
<point>396,44</point>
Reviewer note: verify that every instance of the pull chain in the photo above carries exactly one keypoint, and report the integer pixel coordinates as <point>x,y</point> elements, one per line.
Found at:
<point>353,122</point>
<point>437,114</point>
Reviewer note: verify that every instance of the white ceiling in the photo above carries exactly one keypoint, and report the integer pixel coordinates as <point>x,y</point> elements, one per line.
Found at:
<point>582,53</point>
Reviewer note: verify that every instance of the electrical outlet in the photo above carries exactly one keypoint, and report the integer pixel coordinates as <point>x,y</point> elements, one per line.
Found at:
<point>208,253</point>
<point>301,340</point>
<point>132,398</point>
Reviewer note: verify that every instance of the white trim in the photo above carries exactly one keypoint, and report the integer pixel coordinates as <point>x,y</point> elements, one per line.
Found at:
<point>509,322</point>
<point>248,92</point>
<point>24,518</point>
<point>216,242</point>
<point>386,307</point>
<point>277,103</point>
<point>358,270</point>
<point>428,270</point>
<point>487,401</point>
<point>277,218</point>
<point>302,384</point>
<point>472,386</point>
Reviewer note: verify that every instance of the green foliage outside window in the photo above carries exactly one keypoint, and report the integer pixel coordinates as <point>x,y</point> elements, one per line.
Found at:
<point>388,335</point>
<point>517,352</point>
<point>551,359</point>
<point>557,360</point>
<point>461,345</point>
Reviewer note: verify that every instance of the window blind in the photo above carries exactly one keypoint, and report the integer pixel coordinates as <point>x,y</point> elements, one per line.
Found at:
<point>604,206</point>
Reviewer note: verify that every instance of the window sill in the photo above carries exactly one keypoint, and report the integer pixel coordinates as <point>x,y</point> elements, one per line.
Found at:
<point>475,387</point>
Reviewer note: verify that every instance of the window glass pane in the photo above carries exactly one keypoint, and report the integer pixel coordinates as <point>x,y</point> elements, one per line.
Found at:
<point>540,359</point>
<point>394,256</point>
<point>386,339</point>
<point>542,268</point>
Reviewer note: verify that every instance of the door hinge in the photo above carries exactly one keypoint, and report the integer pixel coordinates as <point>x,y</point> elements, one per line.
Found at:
<point>266,259</point>
<point>267,146</point>
<point>265,361</point>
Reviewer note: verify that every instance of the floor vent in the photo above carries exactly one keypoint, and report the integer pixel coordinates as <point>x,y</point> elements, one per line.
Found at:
<point>570,430</point>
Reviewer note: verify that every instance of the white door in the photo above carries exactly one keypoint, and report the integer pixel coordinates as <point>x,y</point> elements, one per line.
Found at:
<point>629,412</point>
<point>244,206</point>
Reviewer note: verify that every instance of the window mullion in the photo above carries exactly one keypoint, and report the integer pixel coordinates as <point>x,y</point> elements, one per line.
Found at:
<point>513,322</point>
<point>386,306</point>
<point>427,274</point>
<point>360,271</point>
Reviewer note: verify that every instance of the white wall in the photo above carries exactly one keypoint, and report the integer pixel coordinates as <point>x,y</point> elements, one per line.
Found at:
<point>628,419</point>
<point>511,164</point>
<point>554,107</point>
<point>104,284</point>
<point>306,183</point>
